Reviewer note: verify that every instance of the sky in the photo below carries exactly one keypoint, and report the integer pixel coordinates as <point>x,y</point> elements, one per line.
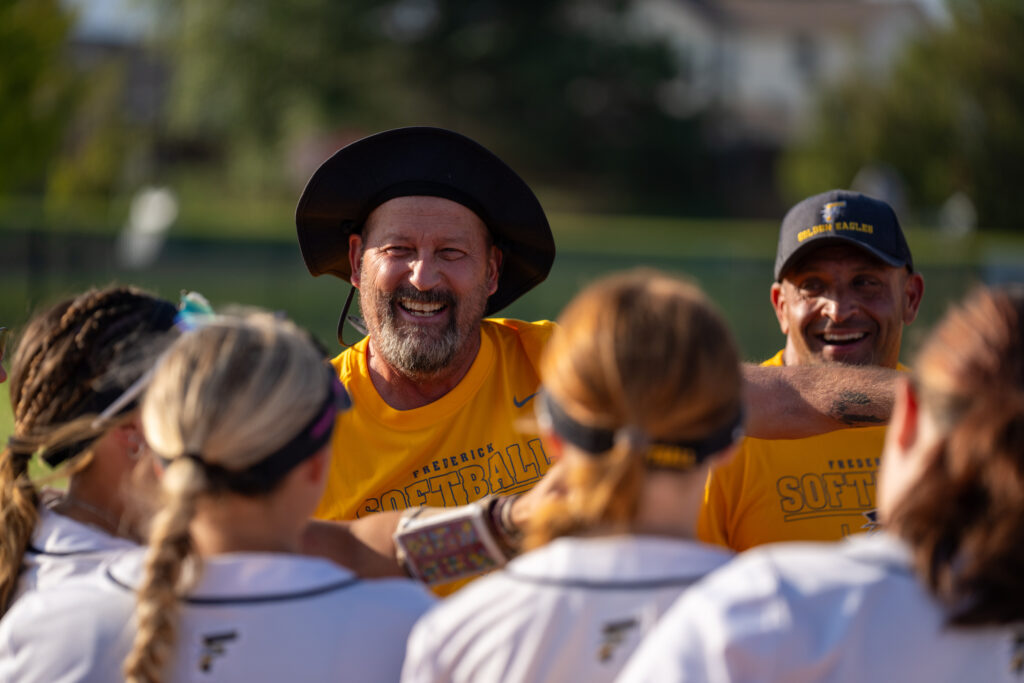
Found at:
<point>122,20</point>
<point>117,20</point>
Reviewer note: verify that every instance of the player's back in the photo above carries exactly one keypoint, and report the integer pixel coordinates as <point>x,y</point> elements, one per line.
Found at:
<point>251,616</point>
<point>572,610</point>
<point>850,611</point>
<point>62,548</point>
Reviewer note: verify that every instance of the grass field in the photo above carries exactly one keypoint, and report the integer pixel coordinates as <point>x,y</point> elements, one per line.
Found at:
<point>210,253</point>
<point>6,423</point>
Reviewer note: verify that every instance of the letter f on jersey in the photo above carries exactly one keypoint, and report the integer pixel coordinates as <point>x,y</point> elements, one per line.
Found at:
<point>213,646</point>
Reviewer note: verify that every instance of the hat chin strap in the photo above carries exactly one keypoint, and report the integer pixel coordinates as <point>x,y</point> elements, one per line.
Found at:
<point>354,320</point>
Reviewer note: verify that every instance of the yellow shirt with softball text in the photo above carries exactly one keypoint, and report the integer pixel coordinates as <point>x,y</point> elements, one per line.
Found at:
<point>475,440</point>
<point>820,488</point>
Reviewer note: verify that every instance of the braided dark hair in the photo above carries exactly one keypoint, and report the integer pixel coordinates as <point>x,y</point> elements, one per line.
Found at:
<point>61,372</point>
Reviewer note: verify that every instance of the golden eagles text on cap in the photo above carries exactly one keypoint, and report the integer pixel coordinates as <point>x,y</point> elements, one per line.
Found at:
<point>829,227</point>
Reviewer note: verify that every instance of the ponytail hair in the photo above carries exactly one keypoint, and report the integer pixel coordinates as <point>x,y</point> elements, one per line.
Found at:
<point>964,517</point>
<point>170,544</point>
<point>19,514</point>
<point>225,400</point>
<point>71,362</point>
<point>644,356</point>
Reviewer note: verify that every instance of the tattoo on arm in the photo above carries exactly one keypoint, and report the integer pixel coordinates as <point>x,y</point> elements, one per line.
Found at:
<point>850,409</point>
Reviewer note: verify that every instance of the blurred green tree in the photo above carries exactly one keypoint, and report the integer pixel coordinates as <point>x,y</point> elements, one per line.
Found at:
<point>34,90</point>
<point>949,118</point>
<point>560,87</point>
<point>569,90</point>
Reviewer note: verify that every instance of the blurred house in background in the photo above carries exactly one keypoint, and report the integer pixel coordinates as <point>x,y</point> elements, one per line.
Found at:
<point>759,64</point>
<point>749,75</point>
<point>757,67</point>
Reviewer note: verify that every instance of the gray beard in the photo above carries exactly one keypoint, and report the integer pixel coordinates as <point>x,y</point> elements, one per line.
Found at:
<point>416,352</point>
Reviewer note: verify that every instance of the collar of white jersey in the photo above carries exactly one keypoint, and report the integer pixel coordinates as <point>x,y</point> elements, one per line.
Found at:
<point>879,548</point>
<point>58,535</point>
<point>618,562</point>
<point>240,578</point>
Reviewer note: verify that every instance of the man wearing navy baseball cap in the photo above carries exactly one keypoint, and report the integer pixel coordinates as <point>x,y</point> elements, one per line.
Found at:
<point>844,281</point>
<point>844,288</point>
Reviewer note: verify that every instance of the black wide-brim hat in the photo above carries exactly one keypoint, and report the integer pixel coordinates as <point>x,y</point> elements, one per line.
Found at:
<point>432,162</point>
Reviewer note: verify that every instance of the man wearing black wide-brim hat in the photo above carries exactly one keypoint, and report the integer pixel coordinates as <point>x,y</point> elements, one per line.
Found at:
<point>435,232</point>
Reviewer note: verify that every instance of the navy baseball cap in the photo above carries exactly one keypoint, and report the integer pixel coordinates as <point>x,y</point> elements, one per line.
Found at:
<point>424,161</point>
<point>842,217</point>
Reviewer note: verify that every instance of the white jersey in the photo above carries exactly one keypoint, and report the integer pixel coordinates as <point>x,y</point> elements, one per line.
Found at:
<point>252,617</point>
<point>61,548</point>
<point>572,610</point>
<point>849,611</point>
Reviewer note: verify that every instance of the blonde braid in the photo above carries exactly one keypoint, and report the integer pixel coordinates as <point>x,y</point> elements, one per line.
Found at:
<point>169,547</point>
<point>233,391</point>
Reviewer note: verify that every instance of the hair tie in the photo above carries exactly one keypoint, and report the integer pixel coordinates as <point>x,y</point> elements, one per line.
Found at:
<point>166,462</point>
<point>633,437</point>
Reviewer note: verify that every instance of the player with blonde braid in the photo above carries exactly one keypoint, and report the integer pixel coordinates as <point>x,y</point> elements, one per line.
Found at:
<point>182,484</point>
<point>238,415</point>
<point>642,391</point>
<point>62,377</point>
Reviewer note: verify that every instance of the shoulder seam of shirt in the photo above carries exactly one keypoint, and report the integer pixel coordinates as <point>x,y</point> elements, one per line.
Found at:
<point>252,599</point>
<point>637,584</point>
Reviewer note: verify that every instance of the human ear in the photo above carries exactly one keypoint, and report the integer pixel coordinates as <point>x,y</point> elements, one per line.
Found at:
<point>355,257</point>
<point>316,465</point>
<point>493,269</point>
<point>778,298</point>
<point>554,445</point>
<point>913,291</point>
<point>906,413</point>
<point>128,436</point>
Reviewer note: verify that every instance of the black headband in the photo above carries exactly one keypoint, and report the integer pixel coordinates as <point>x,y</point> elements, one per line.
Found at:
<point>94,404</point>
<point>264,475</point>
<point>660,454</point>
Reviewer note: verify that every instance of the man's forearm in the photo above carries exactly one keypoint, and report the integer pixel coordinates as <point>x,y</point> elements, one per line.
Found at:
<point>365,545</point>
<point>799,401</point>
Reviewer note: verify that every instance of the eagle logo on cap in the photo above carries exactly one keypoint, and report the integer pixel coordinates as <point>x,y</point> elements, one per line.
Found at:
<point>831,210</point>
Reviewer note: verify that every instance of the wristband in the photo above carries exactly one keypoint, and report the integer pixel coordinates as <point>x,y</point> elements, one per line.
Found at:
<point>441,545</point>
<point>506,530</point>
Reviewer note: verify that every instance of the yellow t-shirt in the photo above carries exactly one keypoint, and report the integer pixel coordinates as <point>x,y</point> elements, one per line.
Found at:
<point>461,447</point>
<point>821,488</point>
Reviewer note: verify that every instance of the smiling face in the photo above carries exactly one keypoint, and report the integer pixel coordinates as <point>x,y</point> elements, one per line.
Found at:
<point>425,268</point>
<point>840,304</point>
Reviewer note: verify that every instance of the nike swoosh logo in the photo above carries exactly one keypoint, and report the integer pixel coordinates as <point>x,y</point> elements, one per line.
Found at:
<point>520,404</point>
